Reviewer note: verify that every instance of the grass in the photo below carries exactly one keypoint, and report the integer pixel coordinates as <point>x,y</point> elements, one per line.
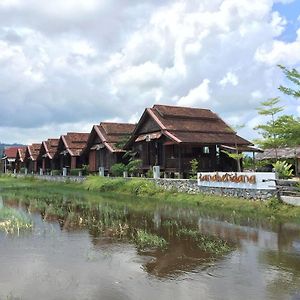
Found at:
<point>205,243</point>
<point>145,240</point>
<point>12,221</point>
<point>136,190</point>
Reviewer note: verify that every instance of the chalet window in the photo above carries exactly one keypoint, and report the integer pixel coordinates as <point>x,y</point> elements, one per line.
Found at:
<point>206,150</point>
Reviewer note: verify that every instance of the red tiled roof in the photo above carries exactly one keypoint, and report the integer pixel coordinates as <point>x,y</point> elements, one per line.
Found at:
<point>112,133</point>
<point>50,147</point>
<point>11,152</point>
<point>191,125</point>
<point>32,151</point>
<point>75,142</point>
<point>21,153</point>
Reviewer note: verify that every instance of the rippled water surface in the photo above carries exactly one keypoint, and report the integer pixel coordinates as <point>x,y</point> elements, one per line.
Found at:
<point>81,249</point>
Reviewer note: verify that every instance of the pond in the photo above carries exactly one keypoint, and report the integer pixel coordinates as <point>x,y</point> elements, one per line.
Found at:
<point>89,247</point>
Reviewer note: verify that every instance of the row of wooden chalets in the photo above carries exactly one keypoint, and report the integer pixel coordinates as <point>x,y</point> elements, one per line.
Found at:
<point>165,136</point>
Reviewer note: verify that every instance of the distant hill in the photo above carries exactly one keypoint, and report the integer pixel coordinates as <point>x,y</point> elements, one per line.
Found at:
<point>3,146</point>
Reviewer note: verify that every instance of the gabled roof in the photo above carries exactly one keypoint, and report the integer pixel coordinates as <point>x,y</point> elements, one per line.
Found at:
<point>110,134</point>
<point>287,152</point>
<point>10,152</point>
<point>50,147</point>
<point>189,125</point>
<point>74,142</point>
<point>32,151</point>
<point>21,153</point>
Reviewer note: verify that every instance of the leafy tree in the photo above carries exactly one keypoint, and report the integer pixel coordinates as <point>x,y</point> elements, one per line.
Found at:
<point>268,131</point>
<point>236,156</point>
<point>294,76</point>
<point>288,130</point>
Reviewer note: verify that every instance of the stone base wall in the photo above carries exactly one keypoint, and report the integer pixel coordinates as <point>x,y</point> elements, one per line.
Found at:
<point>55,178</point>
<point>181,185</point>
<point>191,187</point>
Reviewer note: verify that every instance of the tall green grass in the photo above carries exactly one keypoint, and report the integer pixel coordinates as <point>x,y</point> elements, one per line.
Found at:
<point>12,221</point>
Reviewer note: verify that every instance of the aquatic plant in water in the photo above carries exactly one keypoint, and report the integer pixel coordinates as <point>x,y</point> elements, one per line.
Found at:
<point>206,243</point>
<point>145,239</point>
<point>12,221</point>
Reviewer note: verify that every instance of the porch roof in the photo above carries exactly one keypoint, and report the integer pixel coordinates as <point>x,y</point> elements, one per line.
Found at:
<point>286,152</point>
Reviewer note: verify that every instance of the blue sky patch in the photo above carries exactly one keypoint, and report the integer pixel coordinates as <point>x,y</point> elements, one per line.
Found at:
<point>291,12</point>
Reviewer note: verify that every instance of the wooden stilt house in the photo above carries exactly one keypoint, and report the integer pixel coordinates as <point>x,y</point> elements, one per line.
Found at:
<point>104,146</point>
<point>68,153</point>
<point>171,136</point>
<point>20,159</point>
<point>8,159</point>
<point>30,159</point>
<point>45,158</point>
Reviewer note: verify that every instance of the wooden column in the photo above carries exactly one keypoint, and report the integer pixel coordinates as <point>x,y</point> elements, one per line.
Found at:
<point>73,162</point>
<point>92,161</point>
<point>179,161</point>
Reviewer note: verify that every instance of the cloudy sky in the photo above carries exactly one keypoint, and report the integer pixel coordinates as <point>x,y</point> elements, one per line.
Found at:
<point>66,65</point>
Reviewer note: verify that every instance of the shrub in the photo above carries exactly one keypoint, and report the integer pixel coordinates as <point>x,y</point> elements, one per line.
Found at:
<point>85,170</point>
<point>149,173</point>
<point>22,170</point>
<point>56,172</point>
<point>118,169</point>
<point>194,168</point>
<point>133,166</point>
<point>75,172</point>
<point>283,169</point>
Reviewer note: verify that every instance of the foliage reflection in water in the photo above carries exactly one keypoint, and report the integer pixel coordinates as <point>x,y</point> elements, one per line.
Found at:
<point>185,254</point>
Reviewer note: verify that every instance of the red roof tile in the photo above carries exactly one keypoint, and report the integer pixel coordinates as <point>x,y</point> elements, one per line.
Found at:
<point>50,147</point>
<point>191,125</point>
<point>112,133</point>
<point>11,152</point>
<point>75,142</point>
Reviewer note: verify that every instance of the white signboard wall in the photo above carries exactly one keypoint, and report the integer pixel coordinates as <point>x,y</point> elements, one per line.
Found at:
<point>239,180</point>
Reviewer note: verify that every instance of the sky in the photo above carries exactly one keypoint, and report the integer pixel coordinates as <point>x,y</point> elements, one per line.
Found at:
<point>67,65</point>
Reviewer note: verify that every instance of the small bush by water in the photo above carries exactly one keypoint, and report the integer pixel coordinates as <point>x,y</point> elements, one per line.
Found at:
<point>145,239</point>
<point>12,221</point>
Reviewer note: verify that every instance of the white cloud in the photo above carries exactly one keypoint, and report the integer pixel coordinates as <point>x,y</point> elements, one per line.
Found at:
<point>76,62</point>
<point>230,78</point>
<point>279,52</point>
<point>196,96</point>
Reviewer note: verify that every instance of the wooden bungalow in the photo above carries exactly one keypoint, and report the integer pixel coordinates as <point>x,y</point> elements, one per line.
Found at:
<point>30,159</point>
<point>68,153</point>
<point>8,159</point>
<point>20,156</point>
<point>103,147</point>
<point>46,154</point>
<point>171,136</point>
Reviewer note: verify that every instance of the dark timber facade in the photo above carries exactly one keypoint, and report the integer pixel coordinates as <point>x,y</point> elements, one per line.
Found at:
<point>170,137</point>
<point>30,159</point>
<point>68,153</point>
<point>103,147</point>
<point>46,154</point>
